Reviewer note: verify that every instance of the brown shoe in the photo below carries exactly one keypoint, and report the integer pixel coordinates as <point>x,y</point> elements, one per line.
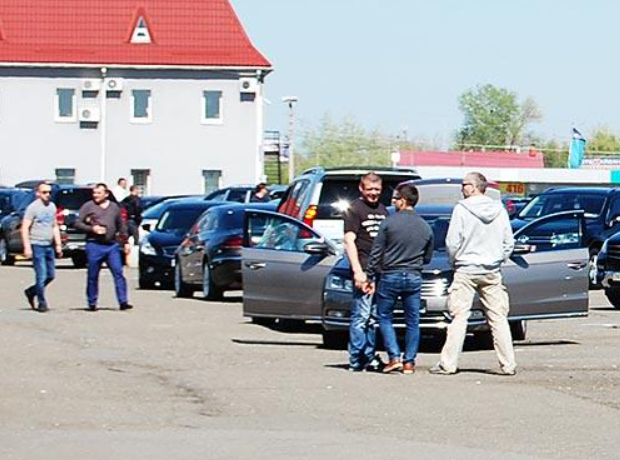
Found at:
<point>392,366</point>
<point>408,368</point>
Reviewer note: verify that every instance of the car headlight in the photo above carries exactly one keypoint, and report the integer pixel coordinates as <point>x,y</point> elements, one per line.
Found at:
<point>338,283</point>
<point>147,249</point>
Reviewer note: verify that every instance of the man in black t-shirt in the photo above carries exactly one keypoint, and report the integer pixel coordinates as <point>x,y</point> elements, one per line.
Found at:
<point>361,225</point>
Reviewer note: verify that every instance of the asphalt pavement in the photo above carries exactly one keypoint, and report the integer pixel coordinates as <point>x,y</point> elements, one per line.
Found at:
<point>190,379</point>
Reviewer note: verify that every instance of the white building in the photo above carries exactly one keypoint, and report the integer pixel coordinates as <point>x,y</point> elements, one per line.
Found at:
<point>165,93</point>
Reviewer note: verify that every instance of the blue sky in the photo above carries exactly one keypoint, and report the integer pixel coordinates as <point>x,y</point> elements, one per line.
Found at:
<point>403,63</point>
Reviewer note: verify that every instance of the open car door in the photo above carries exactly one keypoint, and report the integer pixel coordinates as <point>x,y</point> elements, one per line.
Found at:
<point>547,276</point>
<point>284,265</point>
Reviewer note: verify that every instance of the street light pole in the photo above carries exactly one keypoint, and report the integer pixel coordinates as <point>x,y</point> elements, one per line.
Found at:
<point>103,107</point>
<point>291,101</point>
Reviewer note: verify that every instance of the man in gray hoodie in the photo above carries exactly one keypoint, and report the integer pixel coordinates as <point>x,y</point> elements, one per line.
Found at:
<point>479,241</point>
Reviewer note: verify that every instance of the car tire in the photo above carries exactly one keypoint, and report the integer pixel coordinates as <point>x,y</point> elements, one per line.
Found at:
<point>613,295</point>
<point>5,257</point>
<point>145,285</point>
<point>79,260</point>
<point>181,289</point>
<point>335,340</point>
<point>518,330</point>
<point>209,290</point>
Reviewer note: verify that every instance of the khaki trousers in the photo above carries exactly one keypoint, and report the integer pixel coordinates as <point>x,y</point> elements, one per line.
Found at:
<point>495,302</point>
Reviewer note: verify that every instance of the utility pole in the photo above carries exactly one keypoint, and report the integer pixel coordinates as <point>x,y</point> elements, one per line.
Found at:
<point>291,101</point>
<point>103,108</point>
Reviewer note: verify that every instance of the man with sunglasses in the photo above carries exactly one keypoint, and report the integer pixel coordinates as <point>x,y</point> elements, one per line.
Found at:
<point>41,237</point>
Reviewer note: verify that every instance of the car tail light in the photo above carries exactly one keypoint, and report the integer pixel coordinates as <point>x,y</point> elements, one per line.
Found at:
<point>310,215</point>
<point>60,215</point>
<point>234,242</point>
<point>124,214</point>
<point>510,207</point>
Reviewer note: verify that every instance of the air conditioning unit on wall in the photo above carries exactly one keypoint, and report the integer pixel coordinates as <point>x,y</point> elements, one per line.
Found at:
<point>89,114</point>
<point>91,84</point>
<point>114,84</point>
<point>248,85</point>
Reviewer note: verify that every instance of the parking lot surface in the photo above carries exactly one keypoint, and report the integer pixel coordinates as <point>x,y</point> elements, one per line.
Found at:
<point>189,379</point>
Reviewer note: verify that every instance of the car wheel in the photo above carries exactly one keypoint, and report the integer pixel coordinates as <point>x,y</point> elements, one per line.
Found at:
<point>79,260</point>
<point>181,290</point>
<point>209,290</point>
<point>5,257</point>
<point>613,295</point>
<point>518,330</point>
<point>335,340</point>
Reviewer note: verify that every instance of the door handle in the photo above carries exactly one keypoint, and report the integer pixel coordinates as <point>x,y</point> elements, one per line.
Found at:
<point>577,265</point>
<point>255,265</point>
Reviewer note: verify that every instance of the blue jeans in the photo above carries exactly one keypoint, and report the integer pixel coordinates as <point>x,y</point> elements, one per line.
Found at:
<point>407,286</point>
<point>362,333</point>
<point>44,263</point>
<point>97,254</point>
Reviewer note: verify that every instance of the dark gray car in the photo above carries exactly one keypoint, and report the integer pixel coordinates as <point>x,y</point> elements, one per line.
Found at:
<point>291,271</point>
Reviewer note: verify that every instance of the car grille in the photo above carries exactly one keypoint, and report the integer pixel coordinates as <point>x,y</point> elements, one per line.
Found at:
<point>169,250</point>
<point>613,251</point>
<point>432,288</point>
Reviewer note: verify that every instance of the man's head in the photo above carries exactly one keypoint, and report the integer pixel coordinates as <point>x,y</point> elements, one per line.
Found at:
<point>405,196</point>
<point>122,183</point>
<point>261,190</point>
<point>370,187</point>
<point>134,190</point>
<point>100,193</point>
<point>474,184</point>
<point>44,192</point>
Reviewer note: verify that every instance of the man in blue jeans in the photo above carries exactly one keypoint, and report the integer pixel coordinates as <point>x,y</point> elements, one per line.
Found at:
<point>403,246</point>
<point>41,238</point>
<point>361,224</point>
<point>104,225</point>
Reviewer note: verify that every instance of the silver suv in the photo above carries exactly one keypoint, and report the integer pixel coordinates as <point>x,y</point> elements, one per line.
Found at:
<point>319,197</point>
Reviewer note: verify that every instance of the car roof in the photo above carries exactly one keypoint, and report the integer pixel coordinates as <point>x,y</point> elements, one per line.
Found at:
<point>193,204</point>
<point>435,210</point>
<point>582,190</point>
<point>242,206</point>
<point>358,170</point>
<point>446,180</point>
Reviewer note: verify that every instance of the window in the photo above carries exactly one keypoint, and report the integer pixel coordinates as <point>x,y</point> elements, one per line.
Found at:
<point>212,107</point>
<point>141,179</point>
<point>141,111</point>
<point>278,234</point>
<point>208,223</point>
<point>211,180</point>
<point>238,195</point>
<point>66,110</point>
<point>141,34</point>
<point>293,200</point>
<point>550,203</point>
<point>553,234</point>
<point>65,176</point>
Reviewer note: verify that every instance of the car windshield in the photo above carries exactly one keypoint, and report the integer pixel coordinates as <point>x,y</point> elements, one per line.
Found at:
<point>73,198</point>
<point>440,225</point>
<point>550,203</point>
<point>178,220</point>
<point>155,212</point>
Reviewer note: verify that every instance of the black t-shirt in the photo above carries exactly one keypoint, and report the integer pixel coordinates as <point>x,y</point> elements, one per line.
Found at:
<point>364,220</point>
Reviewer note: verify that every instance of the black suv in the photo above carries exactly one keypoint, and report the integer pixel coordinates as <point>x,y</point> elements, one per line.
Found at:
<point>319,197</point>
<point>68,200</point>
<point>602,214</point>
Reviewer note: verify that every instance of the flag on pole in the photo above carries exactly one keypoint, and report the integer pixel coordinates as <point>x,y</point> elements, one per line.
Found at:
<point>577,150</point>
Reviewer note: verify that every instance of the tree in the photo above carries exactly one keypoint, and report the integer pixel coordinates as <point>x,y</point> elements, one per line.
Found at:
<point>493,116</point>
<point>603,139</point>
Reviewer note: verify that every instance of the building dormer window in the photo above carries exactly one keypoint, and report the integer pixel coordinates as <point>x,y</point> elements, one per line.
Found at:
<point>141,32</point>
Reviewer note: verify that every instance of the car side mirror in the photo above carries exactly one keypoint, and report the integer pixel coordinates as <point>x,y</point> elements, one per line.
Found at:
<point>521,249</point>
<point>146,227</point>
<point>318,248</point>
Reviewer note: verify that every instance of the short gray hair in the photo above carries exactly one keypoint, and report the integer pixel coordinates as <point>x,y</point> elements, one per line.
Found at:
<point>478,181</point>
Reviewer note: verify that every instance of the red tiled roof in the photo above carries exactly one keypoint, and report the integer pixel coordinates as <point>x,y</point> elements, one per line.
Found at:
<point>92,32</point>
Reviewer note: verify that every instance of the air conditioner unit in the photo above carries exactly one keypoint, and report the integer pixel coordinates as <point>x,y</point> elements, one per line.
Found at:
<point>91,84</point>
<point>89,114</point>
<point>248,85</point>
<point>114,84</point>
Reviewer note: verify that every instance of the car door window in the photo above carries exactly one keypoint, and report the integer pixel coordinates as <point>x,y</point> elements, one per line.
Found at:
<point>614,209</point>
<point>218,196</point>
<point>278,233</point>
<point>208,223</point>
<point>553,234</point>
<point>238,196</point>
<point>294,199</point>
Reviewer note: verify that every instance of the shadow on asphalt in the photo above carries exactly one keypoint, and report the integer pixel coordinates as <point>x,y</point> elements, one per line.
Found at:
<point>545,343</point>
<point>604,309</point>
<point>276,343</point>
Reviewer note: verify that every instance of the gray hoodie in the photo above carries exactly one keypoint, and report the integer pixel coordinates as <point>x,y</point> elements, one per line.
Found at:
<point>480,238</point>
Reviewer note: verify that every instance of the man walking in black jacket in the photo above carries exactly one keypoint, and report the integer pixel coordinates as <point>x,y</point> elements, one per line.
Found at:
<point>402,247</point>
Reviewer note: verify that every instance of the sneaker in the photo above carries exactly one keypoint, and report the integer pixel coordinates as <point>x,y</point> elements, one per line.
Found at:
<point>42,308</point>
<point>355,368</point>
<point>91,308</point>
<point>408,368</point>
<point>507,373</point>
<point>30,296</point>
<point>375,365</point>
<point>392,366</point>
<point>126,306</point>
<point>437,369</point>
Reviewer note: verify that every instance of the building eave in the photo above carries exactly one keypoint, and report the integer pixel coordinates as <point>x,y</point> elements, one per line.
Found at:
<point>72,65</point>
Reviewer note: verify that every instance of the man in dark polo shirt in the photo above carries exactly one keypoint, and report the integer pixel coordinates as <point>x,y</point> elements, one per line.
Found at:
<point>102,221</point>
<point>361,225</point>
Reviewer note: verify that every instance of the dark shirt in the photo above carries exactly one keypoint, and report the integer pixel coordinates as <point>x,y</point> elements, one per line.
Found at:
<point>404,243</point>
<point>133,208</point>
<point>92,214</point>
<point>364,220</point>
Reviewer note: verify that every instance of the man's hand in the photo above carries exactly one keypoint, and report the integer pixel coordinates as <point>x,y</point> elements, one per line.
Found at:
<point>99,230</point>
<point>369,288</point>
<point>360,280</point>
<point>59,251</point>
<point>28,252</point>
<point>127,249</point>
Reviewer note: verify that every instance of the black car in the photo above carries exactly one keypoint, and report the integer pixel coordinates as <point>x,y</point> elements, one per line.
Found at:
<point>68,200</point>
<point>209,259</point>
<point>602,214</point>
<point>158,248</point>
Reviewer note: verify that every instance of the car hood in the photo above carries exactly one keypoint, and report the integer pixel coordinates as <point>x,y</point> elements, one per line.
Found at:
<point>161,239</point>
<point>440,263</point>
